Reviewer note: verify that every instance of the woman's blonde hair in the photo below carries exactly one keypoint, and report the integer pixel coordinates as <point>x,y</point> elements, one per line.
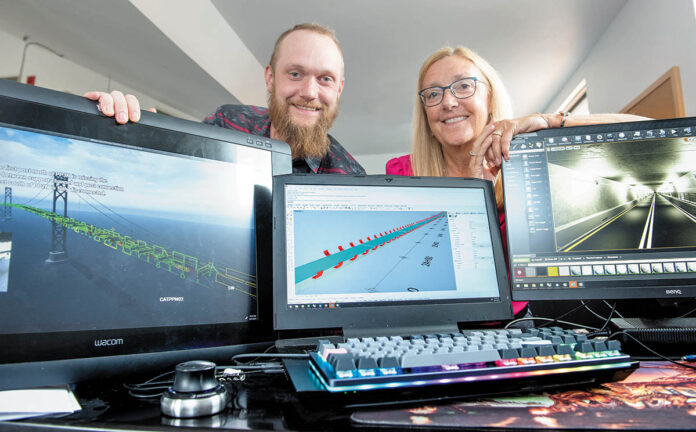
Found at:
<point>426,150</point>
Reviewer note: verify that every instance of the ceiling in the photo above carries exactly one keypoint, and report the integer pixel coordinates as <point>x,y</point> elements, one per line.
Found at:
<point>183,52</point>
<point>650,163</point>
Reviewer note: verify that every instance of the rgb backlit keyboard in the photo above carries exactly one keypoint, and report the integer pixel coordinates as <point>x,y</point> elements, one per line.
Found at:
<point>363,364</point>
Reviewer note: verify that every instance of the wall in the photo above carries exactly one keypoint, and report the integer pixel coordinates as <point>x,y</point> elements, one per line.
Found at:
<point>11,48</point>
<point>61,74</point>
<point>645,39</point>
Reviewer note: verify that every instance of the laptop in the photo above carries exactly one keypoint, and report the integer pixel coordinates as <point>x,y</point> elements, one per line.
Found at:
<point>394,266</point>
<point>385,255</point>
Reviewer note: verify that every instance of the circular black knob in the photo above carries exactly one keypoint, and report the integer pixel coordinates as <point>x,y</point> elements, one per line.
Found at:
<point>195,376</point>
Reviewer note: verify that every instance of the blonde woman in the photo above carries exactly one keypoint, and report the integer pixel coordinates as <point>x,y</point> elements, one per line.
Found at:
<point>462,125</point>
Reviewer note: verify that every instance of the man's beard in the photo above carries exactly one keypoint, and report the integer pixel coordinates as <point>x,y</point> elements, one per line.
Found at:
<point>305,141</point>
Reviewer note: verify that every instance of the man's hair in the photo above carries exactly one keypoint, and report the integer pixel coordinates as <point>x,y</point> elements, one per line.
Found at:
<point>313,27</point>
<point>426,150</point>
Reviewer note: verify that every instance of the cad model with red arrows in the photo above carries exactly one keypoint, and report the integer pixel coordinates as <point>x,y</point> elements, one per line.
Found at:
<point>372,252</point>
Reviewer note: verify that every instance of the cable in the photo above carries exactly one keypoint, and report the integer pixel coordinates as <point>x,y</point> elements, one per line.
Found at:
<point>26,203</point>
<point>617,312</point>
<point>265,355</point>
<point>153,387</point>
<point>118,214</point>
<point>687,314</point>
<point>557,319</point>
<point>144,390</point>
<point>591,311</point>
<point>650,349</point>
<point>151,380</point>
<point>95,208</point>
<point>249,367</point>
<point>550,320</point>
<point>606,323</point>
<point>269,370</point>
<point>270,347</point>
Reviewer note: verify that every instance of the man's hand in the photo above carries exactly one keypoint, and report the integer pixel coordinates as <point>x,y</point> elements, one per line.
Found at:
<point>116,104</point>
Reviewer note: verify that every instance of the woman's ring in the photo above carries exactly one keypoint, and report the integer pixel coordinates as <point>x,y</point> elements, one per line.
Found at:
<point>499,133</point>
<point>472,154</point>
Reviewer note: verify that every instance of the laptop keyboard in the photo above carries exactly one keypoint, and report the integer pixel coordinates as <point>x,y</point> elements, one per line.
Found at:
<point>369,363</point>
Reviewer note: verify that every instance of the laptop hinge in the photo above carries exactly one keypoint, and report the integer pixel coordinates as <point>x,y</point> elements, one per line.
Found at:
<point>400,331</point>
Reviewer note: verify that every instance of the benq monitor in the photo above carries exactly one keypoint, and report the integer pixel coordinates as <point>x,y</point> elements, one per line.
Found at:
<point>603,212</point>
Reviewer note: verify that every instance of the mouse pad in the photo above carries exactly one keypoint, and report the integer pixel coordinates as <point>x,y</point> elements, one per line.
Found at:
<point>659,395</point>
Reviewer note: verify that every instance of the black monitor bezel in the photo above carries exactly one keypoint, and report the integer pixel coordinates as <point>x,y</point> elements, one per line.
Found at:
<point>383,318</point>
<point>37,359</point>
<point>639,289</point>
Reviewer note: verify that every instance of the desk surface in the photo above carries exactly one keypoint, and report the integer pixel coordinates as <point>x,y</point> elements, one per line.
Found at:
<point>659,395</point>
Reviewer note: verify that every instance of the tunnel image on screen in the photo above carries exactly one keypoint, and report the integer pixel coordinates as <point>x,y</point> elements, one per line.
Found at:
<point>372,252</point>
<point>116,237</point>
<point>624,195</point>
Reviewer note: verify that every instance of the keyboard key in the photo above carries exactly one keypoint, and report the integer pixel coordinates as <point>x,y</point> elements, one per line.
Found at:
<point>389,362</point>
<point>528,352</point>
<point>614,345</point>
<point>565,350</point>
<point>367,363</point>
<point>322,343</point>
<point>599,346</point>
<point>342,362</point>
<point>584,347</point>
<point>509,353</point>
<point>568,339</point>
<point>555,339</point>
<point>546,350</point>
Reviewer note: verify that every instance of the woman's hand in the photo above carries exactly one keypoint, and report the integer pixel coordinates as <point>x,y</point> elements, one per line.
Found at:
<point>505,130</point>
<point>478,166</point>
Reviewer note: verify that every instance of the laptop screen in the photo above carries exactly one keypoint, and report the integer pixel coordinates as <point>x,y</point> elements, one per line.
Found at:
<point>354,245</point>
<point>603,212</point>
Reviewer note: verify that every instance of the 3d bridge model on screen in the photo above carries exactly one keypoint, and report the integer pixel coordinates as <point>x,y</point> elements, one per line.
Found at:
<point>160,257</point>
<point>366,261</point>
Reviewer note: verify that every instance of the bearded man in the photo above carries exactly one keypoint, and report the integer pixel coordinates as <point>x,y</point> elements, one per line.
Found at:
<point>304,80</point>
